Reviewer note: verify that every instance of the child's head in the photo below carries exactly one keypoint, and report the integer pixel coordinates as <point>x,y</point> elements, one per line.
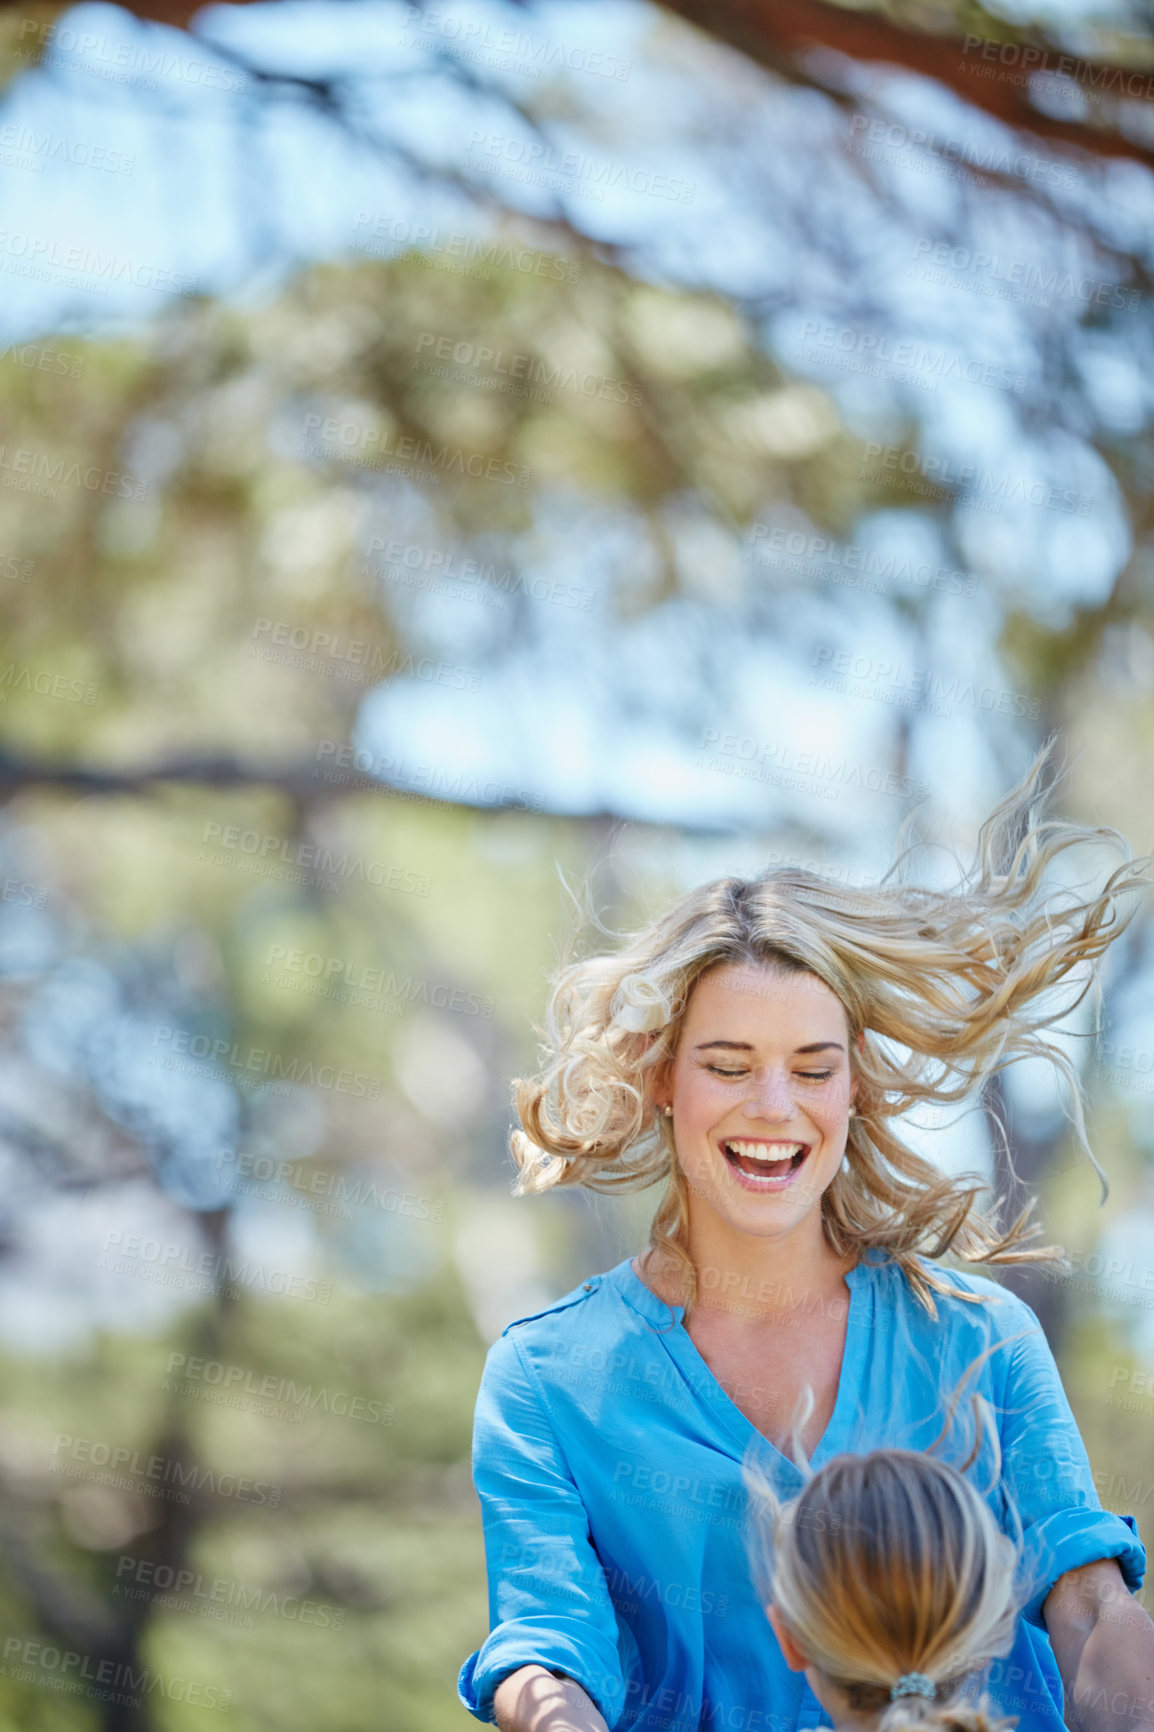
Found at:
<point>891,1584</point>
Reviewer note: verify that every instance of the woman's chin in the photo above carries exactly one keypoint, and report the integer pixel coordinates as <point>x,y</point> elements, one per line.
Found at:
<point>757,1213</point>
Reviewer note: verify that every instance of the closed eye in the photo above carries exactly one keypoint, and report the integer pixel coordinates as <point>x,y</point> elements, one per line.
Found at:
<point>808,1075</point>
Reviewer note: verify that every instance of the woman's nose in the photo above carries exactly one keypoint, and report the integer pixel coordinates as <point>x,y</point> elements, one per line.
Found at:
<point>770,1094</point>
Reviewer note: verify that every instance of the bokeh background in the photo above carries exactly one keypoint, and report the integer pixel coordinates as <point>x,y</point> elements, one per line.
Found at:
<point>460,467</point>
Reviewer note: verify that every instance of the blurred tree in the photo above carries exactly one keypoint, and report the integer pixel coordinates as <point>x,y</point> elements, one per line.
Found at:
<point>257,979</point>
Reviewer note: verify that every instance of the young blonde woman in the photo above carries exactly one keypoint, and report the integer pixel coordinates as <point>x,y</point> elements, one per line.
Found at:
<point>891,1585</point>
<point>755,1047</point>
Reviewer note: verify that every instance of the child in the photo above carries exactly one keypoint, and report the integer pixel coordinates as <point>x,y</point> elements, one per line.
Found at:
<point>890,1585</point>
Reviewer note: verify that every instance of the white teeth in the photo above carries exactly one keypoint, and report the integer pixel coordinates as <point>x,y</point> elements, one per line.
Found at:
<point>764,1152</point>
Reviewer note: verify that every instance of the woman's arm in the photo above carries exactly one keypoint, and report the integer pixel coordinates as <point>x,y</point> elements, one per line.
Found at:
<point>550,1611</point>
<point>1104,1645</point>
<point>534,1700</point>
<point>1051,1500</point>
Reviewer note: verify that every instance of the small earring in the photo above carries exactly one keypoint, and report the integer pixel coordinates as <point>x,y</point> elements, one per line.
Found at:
<point>668,1111</point>
<point>851,1112</point>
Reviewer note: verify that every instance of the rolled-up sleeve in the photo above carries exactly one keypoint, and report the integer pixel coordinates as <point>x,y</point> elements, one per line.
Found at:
<point>549,1603</point>
<point>1047,1473</point>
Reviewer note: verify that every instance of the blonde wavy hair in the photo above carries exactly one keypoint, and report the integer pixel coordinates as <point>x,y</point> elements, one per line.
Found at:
<point>962,978</point>
<point>889,1563</point>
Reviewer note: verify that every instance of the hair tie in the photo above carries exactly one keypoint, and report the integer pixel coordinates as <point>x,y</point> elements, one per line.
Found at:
<point>913,1684</point>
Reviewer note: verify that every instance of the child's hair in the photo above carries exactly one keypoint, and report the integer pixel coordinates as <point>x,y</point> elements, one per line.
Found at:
<point>891,1563</point>
<point>961,978</point>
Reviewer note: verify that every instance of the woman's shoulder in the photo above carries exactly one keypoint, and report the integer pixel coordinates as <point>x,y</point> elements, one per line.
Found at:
<point>595,1311</point>
<point>975,1300</point>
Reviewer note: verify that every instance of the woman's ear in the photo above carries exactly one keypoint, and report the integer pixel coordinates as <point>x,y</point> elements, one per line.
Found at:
<point>659,1090</point>
<point>859,1042</point>
<point>794,1658</point>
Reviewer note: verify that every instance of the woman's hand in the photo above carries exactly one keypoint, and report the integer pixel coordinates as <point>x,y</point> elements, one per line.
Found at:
<point>534,1700</point>
<point>1104,1645</point>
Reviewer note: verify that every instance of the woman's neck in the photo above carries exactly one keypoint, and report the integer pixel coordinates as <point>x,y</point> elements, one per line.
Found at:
<point>758,1278</point>
<point>763,1275</point>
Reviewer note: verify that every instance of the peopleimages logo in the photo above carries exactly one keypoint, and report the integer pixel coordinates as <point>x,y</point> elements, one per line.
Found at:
<point>183,1590</point>
<point>233,1385</point>
<point>1030,62</point>
<point>369,446</point>
<point>312,856</point>
<point>34,1661</point>
<point>307,647</point>
<point>1021,274</point>
<point>22,466</point>
<point>23,894</point>
<point>456,251</point>
<point>139,1472</point>
<point>38,359</point>
<point>219,1052</point>
<point>531,157</point>
<point>280,1181</point>
<point>811,765</point>
<point>1137,1382</point>
<point>848,563</point>
<point>471,39</point>
<point>428,781</point>
<point>359,976</point>
<point>120,61</point>
<point>869,351</point>
<point>171,1265</point>
<point>437,569</point>
<point>22,148</point>
<point>914,686</point>
<point>38,251</point>
<point>46,684</point>
<point>954,154</point>
<point>645,1477</point>
<point>971,480</point>
<point>496,365</point>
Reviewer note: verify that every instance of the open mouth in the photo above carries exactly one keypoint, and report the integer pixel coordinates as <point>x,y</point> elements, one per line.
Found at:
<point>764,1165</point>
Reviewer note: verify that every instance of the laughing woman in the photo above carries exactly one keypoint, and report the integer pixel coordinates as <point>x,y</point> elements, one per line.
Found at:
<point>755,1047</point>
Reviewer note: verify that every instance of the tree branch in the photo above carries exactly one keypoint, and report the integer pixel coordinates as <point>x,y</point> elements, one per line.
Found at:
<point>300,782</point>
<point>776,32</point>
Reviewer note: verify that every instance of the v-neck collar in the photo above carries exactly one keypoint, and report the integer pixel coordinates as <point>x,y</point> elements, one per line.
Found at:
<point>668,1322</point>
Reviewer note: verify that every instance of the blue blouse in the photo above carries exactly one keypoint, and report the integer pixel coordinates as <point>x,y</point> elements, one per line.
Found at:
<point>608,1462</point>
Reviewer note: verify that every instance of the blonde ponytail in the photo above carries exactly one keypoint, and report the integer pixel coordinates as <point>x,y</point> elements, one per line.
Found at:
<point>889,1570</point>
<point>916,1714</point>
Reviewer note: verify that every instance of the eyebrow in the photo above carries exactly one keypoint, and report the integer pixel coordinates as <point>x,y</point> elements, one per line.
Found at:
<point>744,1046</point>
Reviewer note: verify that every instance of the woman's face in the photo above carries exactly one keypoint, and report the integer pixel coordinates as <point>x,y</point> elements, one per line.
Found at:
<point>760,1089</point>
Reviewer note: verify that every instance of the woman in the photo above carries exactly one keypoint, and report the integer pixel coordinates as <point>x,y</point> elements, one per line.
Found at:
<point>754,1046</point>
